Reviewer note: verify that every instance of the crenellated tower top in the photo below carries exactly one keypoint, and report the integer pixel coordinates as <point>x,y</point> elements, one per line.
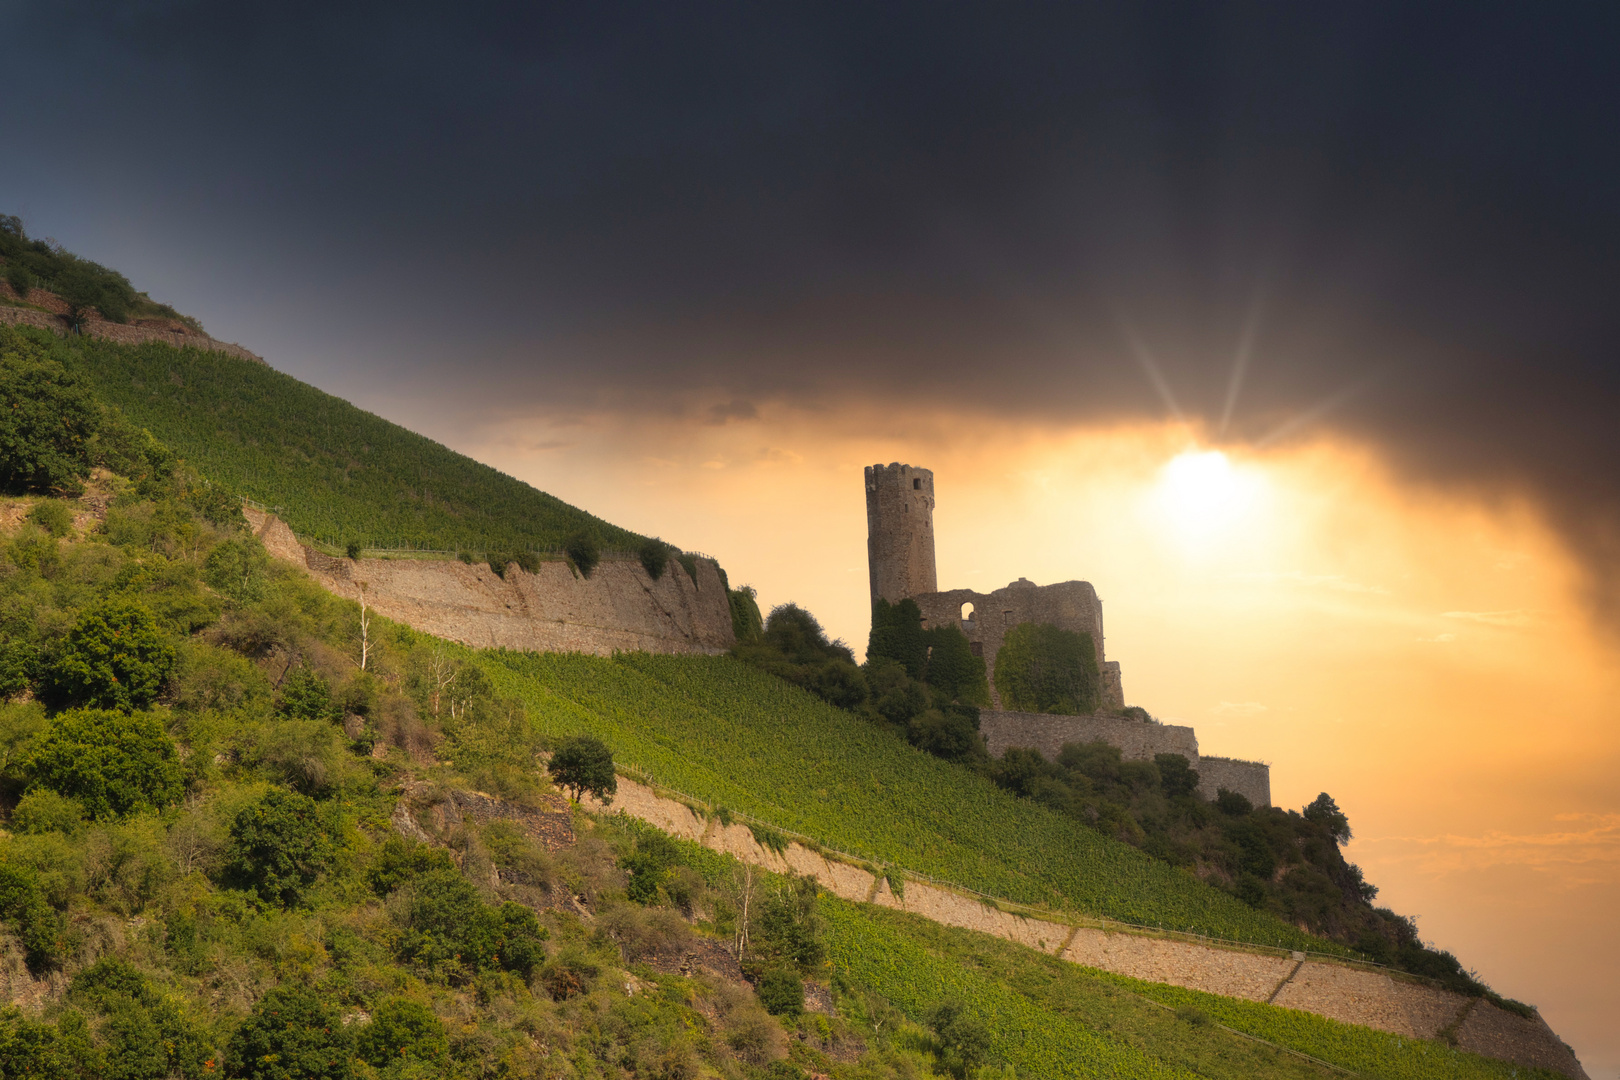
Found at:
<point>900,531</point>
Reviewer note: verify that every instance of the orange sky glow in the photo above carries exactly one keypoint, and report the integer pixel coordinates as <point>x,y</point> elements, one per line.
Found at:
<point>1423,655</point>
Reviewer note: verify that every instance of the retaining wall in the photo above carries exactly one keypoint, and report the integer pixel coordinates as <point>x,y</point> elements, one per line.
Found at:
<point>124,333</point>
<point>1355,995</point>
<point>618,608</point>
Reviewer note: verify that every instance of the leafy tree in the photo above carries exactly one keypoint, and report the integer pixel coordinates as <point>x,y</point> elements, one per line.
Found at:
<point>1325,812</point>
<point>279,846</point>
<point>962,1040</point>
<point>114,657</point>
<point>788,929</point>
<point>448,926</point>
<point>41,929</point>
<point>306,695</point>
<point>18,658</point>
<point>951,733</point>
<point>1041,668</point>
<point>1176,774</point>
<point>648,864</point>
<point>781,991</point>
<point>402,1030</point>
<point>237,568</point>
<point>147,1035</point>
<point>47,418</point>
<point>86,285</point>
<point>113,764</point>
<point>1232,803</point>
<point>584,764</point>
<point>897,635</point>
<point>291,1035</point>
<point>793,646</point>
<point>401,860</point>
<point>953,670</point>
<point>60,1051</point>
<point>654,556</point>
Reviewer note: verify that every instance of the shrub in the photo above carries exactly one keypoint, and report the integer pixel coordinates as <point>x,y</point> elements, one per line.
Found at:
<point>1325,812</point>
<point>1176,774</point>
<point>448,925</point>
<point>962,1040</point>
<point>111,763</point>
<point>1232,803</point>
<point>44,811</point>
<point>654,556</point>
<point>18,658</point>
<point>401,860</point>
<point>781,991</point>
<point>53,516</point>
<point>1041,668</point>
<point>584,764</point>
<point>953,670</point>
<point>279,846</point>
<point>403,1030</point>
<point>291,1035</point>
<point>897,634</point>
<point>746,622</point>
<point>47,418</point>
<point>115,657</point>
<point>146,1035</point>
<point>306,695</point>
<point>64,1050</point>
<point>237,569</point>
<point>582,549</point>
<point>41,929</point>
<point>351,549</point>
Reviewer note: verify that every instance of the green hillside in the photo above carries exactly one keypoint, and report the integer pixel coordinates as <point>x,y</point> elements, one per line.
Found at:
<point>735,737</point>
<point>332,470</point>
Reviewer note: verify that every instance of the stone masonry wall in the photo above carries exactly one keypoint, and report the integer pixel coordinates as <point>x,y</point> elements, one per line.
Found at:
<point>1068,605</point>
<point>1137,741</point>
<point>618,608</point>
<point>1352,994</point>
<point>900,531</point>
<point>125,334</point>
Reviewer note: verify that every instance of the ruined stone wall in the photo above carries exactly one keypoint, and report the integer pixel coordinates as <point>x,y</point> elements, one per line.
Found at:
<point>1353,994</point>
<point>125,334</point>
<point>1137,741</point>
<point>1068,605</point>
<point>1250,779</point>
<point>618,608</point>
<point>900,531</point>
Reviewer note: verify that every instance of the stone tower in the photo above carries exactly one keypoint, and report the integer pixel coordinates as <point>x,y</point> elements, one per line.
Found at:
<point>900,531</point>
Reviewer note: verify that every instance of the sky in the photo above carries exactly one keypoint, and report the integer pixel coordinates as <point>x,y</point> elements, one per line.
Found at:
<point>1290,327</point>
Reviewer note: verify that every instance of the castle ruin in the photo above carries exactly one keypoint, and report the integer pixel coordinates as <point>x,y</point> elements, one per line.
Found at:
<point>900,561</point>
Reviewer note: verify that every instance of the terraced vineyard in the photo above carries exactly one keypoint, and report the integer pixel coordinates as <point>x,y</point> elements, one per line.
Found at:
<point>733,737</point>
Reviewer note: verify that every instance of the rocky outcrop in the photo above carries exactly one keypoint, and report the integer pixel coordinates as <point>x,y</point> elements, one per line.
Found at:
<point>619,608</point>
<point>180,337</point>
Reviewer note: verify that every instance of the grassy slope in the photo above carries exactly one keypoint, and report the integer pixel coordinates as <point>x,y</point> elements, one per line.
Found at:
<point>732,736</point>
<point>1051,1018</point>
<point>336,471</point>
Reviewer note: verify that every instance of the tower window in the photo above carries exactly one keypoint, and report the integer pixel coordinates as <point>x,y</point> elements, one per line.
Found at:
<point>917,485</point>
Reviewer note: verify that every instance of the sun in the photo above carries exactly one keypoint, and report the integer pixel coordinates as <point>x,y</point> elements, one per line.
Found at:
<point>1202,497</point>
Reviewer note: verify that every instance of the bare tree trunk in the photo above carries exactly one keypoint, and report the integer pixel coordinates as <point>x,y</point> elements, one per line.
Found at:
<point>365,626</point>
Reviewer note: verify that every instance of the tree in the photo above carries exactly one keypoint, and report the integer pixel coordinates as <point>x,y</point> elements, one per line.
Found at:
<point>113,764</point>
<point>581,547</point>
<point>237,569</point>
<point>1325,812</point>
<point>448,925</point>
<point>584,764</point>
<point>897,634</point>
<point>115,657</point>
<point>1041,668</point>
<point>953,670</point>
<point>291,1035</point>
<point>279,846</point>
<point>47,419</point>
<point>405,1031</point>
<point>1176,774</point>
<point>962,1041</point>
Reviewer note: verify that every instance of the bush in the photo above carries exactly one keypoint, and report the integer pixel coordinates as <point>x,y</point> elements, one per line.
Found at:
<point>53,516</point>
<point>1232,803</point>
<point>41,929</point>
<point>962,1041</point>
<point>1176,774</point>
<point>582,549</point>
<point>115,657</point>
<point>47,418</point>
<point>291,1035</point>
<point>111,763</point>
<point>306,695</point>
<point>898,635</point>
<point>1043,669</point>
<point>33,1049</point>
<point>147,1036</point>
<point>953,670</point>
<point>584,764</point>
<point>405,1031</point>
<point>654,556</point>
<point>237,569</point>
<point>401,860</point>
<point>44,811</point>
<point>449,926</point>
<point>18,659</point>
<point>781,991</point>
<point>1325,812</point>
<point>279,846</point>
<point>746,623</point>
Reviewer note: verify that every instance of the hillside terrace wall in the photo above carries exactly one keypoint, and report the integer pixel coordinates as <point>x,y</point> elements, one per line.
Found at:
<point>619,608</point>
<point>125,334</point>
<point>1354,995</point>
<point>1137,740</point>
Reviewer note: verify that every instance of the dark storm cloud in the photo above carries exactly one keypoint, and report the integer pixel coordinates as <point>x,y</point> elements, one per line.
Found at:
<point>1403,216</point>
